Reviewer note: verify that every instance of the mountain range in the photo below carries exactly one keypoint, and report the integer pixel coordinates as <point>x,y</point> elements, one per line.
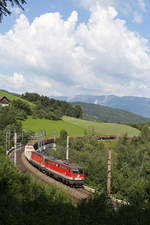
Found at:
<point>137,105</point>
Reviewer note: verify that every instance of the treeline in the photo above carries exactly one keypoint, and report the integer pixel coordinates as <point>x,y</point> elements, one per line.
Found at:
<point>139,126</point>
<point>52,109</point>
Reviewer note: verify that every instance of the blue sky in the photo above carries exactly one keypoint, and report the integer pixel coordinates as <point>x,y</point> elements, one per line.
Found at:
<point>70,47</point>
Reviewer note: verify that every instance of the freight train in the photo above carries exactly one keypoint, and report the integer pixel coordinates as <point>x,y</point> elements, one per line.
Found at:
<point>63,170</point>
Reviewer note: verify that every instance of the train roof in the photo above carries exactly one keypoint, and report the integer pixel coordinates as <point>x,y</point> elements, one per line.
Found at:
<point>62,161</point>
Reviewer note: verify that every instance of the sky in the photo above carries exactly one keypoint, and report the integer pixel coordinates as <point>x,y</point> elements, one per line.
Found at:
<point>77,47</point>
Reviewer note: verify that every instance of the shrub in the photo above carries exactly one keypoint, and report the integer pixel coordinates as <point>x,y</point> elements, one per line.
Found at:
<point>63,134</point>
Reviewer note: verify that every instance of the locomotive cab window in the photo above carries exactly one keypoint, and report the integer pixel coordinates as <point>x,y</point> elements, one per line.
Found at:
<point>74,171</point>
<point>81,171</point>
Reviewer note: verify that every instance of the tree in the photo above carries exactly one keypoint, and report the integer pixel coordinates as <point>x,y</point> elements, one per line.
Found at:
<point>4,6</point>
<point>63,133</point>
<point>78,111</point>
<point>145,133</point>
<point>7,117</point>
<point>31,97</point>
<point>22,105</point>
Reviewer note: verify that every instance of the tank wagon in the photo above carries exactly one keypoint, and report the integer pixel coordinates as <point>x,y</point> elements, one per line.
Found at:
<point>65,171</point>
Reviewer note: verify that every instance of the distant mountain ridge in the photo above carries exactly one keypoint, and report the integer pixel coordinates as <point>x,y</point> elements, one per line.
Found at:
<point>137,105</point>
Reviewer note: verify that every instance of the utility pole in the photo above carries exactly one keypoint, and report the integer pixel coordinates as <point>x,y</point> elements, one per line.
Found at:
<point>20,146</point>
<point>36,135</point>
<point>22,135</point>
<point>39,139</point>
<point>54,139</point>
<point>15,146</point>
<point>6,142</point>
<point>67,149</point>
<point>109,173</point>
<point>44,140</point>
<point>45,134</point>
<point>9,136</point>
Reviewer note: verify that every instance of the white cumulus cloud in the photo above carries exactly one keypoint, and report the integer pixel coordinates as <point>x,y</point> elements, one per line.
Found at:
<point>13,82</point>
<point>127,7</point>
<point>17,79</point>
<point>137,18</point>
<point>142,4</point>
<point>58,56</point>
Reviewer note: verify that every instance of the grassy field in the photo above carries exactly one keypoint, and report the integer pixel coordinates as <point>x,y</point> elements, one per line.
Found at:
<point>103,128</point>
<point>77,127</point>
<point>52,126</point>
<point>13,97</point>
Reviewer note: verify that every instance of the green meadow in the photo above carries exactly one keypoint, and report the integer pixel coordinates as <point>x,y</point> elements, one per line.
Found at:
<point>52,126</point>
<point>77,127</point>
<point>103,128</point>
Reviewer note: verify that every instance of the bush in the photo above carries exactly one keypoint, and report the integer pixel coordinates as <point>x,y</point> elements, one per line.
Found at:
<point>63,134</point>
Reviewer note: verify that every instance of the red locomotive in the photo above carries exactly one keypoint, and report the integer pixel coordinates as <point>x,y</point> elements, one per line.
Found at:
<point>63,170</point>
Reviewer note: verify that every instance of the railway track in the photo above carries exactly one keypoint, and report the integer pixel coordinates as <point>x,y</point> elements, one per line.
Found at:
<point>23,165</point>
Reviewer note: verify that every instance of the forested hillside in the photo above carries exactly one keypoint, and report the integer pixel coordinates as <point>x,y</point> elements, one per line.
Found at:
<point>51,108</point>
<point>106,114</point>
<point>41,106</point>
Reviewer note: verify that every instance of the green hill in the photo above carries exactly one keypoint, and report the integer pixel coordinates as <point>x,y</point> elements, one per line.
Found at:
<point>101,113</point>
<point>52,126</point>
<point>12,97</point>
<point>104,128</point>
<point>77,127</point>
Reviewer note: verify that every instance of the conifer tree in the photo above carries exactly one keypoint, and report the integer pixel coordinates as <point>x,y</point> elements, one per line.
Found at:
<point>4,6</point>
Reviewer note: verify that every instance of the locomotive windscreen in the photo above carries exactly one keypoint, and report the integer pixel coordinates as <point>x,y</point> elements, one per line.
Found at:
<point>77,171</point>
<point>81,171</point>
